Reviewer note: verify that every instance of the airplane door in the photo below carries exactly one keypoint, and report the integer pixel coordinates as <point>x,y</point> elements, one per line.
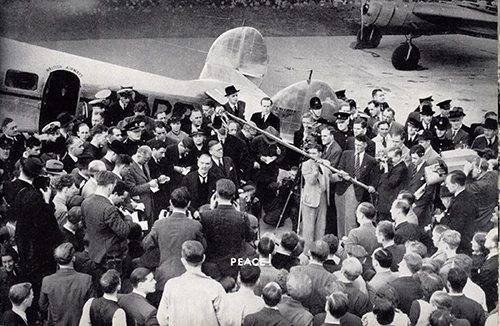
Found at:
<point>60,94</point>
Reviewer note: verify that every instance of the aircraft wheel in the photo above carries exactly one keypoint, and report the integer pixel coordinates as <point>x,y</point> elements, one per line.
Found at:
<point>406,58</point>
<point>369,37</point>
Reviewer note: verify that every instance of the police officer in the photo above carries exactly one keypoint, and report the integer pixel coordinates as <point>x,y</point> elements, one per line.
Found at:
<point>439,142</point>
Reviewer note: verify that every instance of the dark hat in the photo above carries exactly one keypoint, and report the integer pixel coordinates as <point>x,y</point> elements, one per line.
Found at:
<point>51,127</point>
<point>132,126</point>
<point>341,115</point>
<point>217,124</point>
<point>230,90</point>
<point>248,188</point>
<point>442,123</point>
<point>103,94</point>
<point>75,201</point>
<point>188,143</point>
<point>117,147</point>
<point>426,97</point>
<point>179,109</point>
<point>273,132</point>
<point>340,93</point>
<point>426,135</point>
<point>65,118</point>
<point>315,103</point>
<point>456,112</point>
<point>491,124</point>
<point>6,143</point>
<point>444,104</point>
<point>427,110</point>
<point>32,165</point>
<point>54,167</point>
<point>198,133</point>
<point>415,123</point>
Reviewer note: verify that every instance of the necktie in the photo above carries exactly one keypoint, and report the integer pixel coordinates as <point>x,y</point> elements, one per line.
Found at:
<point>413,172</point>
<point>384,142</point>
<point>221,164</point>
<point>203,179</point>
<point>357,166</point>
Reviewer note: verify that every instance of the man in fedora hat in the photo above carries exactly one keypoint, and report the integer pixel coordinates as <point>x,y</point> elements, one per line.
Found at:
<point>458,133</point>
<point>37,235</point>
<point>489,139</point>
<point>233,105</point>
<point>6,164</point>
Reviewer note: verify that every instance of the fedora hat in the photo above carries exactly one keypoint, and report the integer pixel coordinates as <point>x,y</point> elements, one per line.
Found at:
<point>65,118</point>
<point>117,147</point>
<point>456,112</point>
<point>491,124</point>
<point>54,167</point>
<point>427,110</point>
<point>271,130</point>
<point>33,165</point>
<point>230,90</point>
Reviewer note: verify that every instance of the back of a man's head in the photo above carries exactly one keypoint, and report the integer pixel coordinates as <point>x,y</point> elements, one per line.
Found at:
<point>351,268</point>
<point>266,246</point>
<point>249,274</point>
<point>193,252</point>
<point>338,304</point>
<point>180,197</point>
<point>457,277</point>
<point>386,229</point>
<point>105,178</point>
<point>298,285</point>
<point>139,275</point>
<point>63,254</point>
<point>95,166</point>
<point>225,189</point>
<point>413,262</point>
<point>441,300</point>
<point>19,292</point>
<point>271,294</point>
<point>452,238</point>
<point>110,281</point>
<point>332,241</point>
<point>319,250</point>
<point>383,257</point>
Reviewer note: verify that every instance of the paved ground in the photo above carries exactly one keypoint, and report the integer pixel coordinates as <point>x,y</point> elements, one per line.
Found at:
<point>461,68</point>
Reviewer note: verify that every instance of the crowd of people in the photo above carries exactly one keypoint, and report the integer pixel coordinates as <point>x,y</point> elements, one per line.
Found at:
<point>120,216</point>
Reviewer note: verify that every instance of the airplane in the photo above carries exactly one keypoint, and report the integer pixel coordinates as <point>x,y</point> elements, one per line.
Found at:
<point>36,82</point>
<point>414,18</point>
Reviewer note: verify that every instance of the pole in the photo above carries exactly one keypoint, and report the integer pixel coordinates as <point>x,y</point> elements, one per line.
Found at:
<point>293,148</point>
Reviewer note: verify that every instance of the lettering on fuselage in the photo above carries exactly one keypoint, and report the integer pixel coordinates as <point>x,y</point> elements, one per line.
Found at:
<point>68,68</point>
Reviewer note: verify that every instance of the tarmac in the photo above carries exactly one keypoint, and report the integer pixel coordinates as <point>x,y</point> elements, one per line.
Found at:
<point>457,67</point>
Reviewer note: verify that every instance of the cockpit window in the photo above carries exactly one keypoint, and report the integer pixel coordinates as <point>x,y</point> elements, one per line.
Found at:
<point>21,80</point>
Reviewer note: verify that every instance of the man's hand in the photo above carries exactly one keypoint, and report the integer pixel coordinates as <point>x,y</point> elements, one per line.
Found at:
<point>163,179</point>
<point>46,194</point>
<point>371,190</point>
<point>256,165</point>
<point>153,183</point>
<point>344,175</point>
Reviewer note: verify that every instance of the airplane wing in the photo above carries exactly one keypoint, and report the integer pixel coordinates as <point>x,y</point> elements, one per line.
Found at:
<point>468,17</point>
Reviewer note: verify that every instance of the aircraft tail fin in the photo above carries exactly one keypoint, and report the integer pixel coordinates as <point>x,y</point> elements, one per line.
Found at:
<point>236,55</point>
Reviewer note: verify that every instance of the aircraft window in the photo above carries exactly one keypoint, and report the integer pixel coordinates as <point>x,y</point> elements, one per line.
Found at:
<point>21,79</point>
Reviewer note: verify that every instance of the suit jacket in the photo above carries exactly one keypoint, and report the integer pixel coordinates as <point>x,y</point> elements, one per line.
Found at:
<point>272,120</point>
<point>390,185</point>
<point>236,149</point>
<point>89,188</point>
<point>462,138</point>
<point>139,311</point>
<point>487,279</point>
<point>316,182</point>
<point>228,171</point>
<point>191,181</point>
<point>482,143</point>
<point>137,179</point>
<point>364,235</point>
<point>10,318</point>
<point>460,216</point>
<point>320,277</point>
<point>240,109</point>
<point>332,153</point>
<point>107,230</point>
<point>168,234</point>
<point>64,294</point>
<point>68,162</point>
<point>369,174</point>
<point>370,146</point>
<point>172,159</point>
<point>485,188</point>
<point>397,251</point>
<point>267,317</point>
<point>115,113</point>
<point>408,289</point>
<point>410,232</point>
<point>466,308</point>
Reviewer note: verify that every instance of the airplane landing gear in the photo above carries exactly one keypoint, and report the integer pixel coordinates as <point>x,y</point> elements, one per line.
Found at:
<point>406,56</point>
<point>369,37</point>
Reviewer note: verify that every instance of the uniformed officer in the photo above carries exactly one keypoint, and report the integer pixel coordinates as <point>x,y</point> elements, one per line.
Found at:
<point>440,142</point>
